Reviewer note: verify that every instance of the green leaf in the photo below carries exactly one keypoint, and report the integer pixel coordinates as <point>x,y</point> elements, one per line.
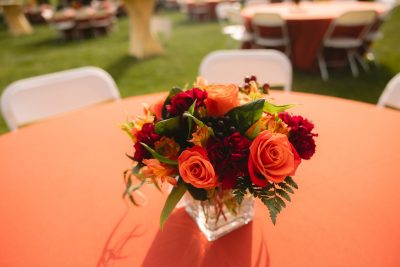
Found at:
<point>286,188</point>
<point>283,194</point>
<point>273,210</point>
<point>174,91</point>
<point>197,193</point>
<point>190,120</point>
<point>273,109</point>
<point>290,182</point>
<point>173,199</point>
<point>246,115</point>
<point>137,168</point>
<point>255,132</point>
<point>158,156</point>
<point>196,120</point>
<point>168,126</point>
<point>280,202</point>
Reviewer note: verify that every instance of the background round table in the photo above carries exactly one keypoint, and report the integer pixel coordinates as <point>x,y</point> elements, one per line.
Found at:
<point>307,24</point>
<point>61,196</point>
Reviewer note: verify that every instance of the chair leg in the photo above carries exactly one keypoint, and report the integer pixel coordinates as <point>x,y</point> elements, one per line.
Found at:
<point>362,62</point>
<point>322,67</point>
<point>353,64</point>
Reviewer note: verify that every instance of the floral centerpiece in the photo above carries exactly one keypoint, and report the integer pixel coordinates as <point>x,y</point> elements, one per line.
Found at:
<point>223,145</point>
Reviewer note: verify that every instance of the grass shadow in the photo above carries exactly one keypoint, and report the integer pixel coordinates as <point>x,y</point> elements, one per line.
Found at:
<point>120,66</point>
<point>342,84</point>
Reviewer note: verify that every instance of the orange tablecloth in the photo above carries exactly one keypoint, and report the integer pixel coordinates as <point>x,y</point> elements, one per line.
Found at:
<point>61,205</point>
<point>308,24</point>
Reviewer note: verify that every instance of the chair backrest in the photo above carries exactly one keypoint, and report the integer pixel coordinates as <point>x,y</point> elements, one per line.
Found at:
<point>33,99</point>
<point>268,20</point>
<point>352,19</point>
<point>234,17</point>
<point>231,66</point>
<point>391,94</point>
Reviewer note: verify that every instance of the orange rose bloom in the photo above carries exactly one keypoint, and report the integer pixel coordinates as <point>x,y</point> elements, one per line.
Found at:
<point>221,98</point>
<point>196,169</point>
<point>272,158</point>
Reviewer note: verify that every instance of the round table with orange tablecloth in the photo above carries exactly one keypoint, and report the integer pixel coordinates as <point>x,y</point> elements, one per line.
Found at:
<point>307,24</point>
<point>61,196</point>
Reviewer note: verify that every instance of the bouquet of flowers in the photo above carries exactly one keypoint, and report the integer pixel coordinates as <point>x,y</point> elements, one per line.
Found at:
<point>211,139</point>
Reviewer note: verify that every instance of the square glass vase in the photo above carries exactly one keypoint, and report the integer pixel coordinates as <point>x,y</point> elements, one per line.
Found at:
<point>217,217</point>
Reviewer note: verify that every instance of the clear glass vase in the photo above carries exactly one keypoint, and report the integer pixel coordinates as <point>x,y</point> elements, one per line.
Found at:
<point>220,214</point>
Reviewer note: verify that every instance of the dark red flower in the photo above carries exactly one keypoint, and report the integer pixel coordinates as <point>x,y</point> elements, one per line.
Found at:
<point>148,136</point>
<point>182,101</point>
<point>229,157</point>
<point>300,134</point>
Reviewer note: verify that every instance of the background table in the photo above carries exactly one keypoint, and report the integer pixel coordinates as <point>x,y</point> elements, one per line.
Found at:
<point>308,24</point>
<point>16,21</point>
<point>61,197</point>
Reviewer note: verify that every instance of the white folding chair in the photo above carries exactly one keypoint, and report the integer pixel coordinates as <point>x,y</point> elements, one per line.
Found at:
<point>236,29</point>
<point>30,100</point>
<point>162,27</point>
<point>231,66</point>
<point>350,44</point>
<point>391,94</point>
<point>222,9</point>
<point>269,21</point>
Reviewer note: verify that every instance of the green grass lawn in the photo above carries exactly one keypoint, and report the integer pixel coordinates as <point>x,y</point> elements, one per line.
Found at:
<point>42,52</point>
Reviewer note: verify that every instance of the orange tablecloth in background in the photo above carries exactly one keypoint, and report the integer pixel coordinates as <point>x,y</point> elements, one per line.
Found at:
<point>308,24</point>
<point>211,6</point>
<point>61,187</point>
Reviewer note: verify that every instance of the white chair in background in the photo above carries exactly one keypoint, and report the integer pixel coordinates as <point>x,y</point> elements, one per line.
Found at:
<point>264,21</point>
<point>232,66</point>
<point>350,44</point>
<point>161,26</point>
<point>236,29</point>
<point>33,99</point>
<point>223,8</point>
<point>391,94</point>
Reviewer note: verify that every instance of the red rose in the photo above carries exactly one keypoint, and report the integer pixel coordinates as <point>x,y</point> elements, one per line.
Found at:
<point>182,101</point>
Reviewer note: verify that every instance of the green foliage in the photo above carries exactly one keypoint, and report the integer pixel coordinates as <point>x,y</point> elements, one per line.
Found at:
<point>190,119</point>
<point>197,193</point>
<point>158,156</point>
<point>130,188</point>
<point>273,109</point>
<point>246,115</point>
<point>241,187</point>
<point>273,195</point>
<point>186,114</point>
<point>168,126</point>
<point>173,198</point>
<point>289,181</point>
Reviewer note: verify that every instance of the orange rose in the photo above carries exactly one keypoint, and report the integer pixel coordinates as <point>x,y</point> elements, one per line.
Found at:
<point>221,98</point>
<point>272,158</point>
<point>195,168</point>
<point>156,108</point>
